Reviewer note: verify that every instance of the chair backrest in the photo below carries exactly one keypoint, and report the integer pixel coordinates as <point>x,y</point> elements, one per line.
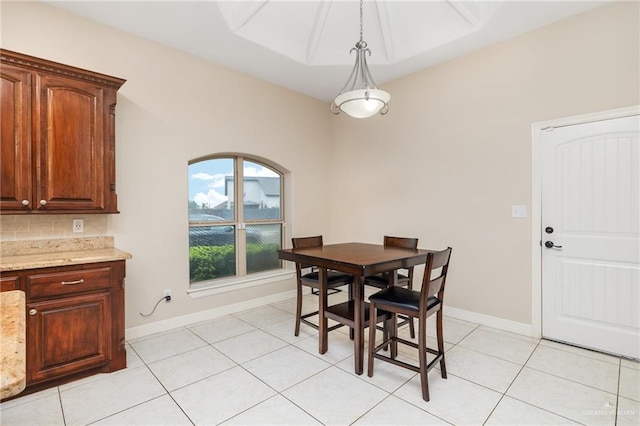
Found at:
<point>305,242</point>
<point>435,275</point>
<point>411,243</point>
<point>402,242</point>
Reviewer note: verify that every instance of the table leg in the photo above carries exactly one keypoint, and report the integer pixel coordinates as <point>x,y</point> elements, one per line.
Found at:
<point>358,341</point>
<point>393,278</point>
<point>322,306</point>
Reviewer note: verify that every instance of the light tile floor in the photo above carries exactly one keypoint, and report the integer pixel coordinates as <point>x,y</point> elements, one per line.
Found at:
<point>248,368</point>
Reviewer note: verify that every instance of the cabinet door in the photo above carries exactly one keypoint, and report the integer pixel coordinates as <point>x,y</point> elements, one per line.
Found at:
<point>68,335</point>
<point>15,135</point>
<point>70,140</point>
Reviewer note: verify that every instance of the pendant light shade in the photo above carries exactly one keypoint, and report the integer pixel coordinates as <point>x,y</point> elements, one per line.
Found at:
<point>359,97</point>
<point>363,103</point>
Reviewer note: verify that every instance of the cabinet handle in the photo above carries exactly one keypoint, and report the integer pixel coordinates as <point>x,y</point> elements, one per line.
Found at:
<point>25,202</point>
<point>43,202</point>
<point>33,312</point>
<point>80,281</point>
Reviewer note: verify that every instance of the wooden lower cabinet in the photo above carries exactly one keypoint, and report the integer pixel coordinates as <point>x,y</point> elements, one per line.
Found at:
<point>68,335</point>
<point>75,321</point>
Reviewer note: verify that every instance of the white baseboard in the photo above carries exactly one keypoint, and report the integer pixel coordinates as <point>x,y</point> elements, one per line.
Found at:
<point>171,323</point>
<point>489,321</point>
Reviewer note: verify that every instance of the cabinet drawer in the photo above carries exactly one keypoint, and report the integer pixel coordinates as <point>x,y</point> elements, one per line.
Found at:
<point>10,283</point>
<point>68,282</point>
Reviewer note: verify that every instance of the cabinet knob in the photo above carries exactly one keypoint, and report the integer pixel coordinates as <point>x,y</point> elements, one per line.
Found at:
<point>33,312</point>
<point>25,202</point>
<point>43,202</point>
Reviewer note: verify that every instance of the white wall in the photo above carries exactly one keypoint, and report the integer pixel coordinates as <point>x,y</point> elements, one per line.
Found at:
<point>454,152</point>
<point>173,108</point>
<point>445,164</point>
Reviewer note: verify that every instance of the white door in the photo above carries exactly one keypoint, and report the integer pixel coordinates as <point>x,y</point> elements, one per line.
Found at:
<point>590,235</point>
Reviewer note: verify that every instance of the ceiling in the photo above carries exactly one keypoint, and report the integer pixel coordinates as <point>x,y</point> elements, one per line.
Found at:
<point>304,45</point>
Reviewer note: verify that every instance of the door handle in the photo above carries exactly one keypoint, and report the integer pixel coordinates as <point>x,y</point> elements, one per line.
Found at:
<point>549,244</point>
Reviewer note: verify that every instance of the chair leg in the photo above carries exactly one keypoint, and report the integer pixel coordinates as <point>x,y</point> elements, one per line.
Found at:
<point>440,337</point>
<point>393,334</point>
<point>372,338</point>
<point>412,330</point>
<point>422,355</point>
<point>386,329</point>
<point>298,309</point>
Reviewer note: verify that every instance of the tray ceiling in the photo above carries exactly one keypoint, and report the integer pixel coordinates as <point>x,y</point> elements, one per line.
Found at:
<point>305,45</point>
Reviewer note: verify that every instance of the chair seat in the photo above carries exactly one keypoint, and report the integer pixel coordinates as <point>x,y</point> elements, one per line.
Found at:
<point>334,279</point>
<point>382,280</point>
<point>403,298</point>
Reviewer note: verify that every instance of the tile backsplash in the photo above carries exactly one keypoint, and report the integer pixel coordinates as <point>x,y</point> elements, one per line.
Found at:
<point>46,226</point>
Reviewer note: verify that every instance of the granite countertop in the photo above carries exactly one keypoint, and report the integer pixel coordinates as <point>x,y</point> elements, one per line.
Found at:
<point>19,255</point>
<point>12,343</point>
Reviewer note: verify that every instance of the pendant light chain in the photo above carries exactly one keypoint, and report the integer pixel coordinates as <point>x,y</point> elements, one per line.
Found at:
<point>361,1</point>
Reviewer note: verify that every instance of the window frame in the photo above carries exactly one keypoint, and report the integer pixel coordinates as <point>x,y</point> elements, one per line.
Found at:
<point>242,279</point>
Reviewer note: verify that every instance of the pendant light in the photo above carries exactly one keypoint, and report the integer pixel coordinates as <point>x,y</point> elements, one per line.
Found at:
<point>359,97</point>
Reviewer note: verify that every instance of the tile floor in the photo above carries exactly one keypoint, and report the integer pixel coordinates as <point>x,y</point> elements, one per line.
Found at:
<point>248,368</point>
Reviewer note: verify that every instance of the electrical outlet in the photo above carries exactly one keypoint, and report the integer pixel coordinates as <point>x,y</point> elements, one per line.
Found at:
<point>167,293</point>
<point>78,225</point>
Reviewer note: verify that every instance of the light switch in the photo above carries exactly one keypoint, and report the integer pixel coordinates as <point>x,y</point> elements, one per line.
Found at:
<point>519,211</point>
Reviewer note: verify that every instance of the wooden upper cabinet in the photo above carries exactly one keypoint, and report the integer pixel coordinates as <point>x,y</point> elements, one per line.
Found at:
<point>16,184</point>
<point>69,131</point>
<point>58,137</point>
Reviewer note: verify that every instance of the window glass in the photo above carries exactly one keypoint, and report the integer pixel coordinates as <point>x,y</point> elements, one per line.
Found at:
<point>263,243</point>
<point>212,246</point>
<point>211,190</point>
<point>261,192</point>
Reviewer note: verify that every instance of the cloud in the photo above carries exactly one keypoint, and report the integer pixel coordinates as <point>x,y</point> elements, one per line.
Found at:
<point>210,199</point>
<point>204,176</point>
<point>255,172</point>
<point>217,179</point>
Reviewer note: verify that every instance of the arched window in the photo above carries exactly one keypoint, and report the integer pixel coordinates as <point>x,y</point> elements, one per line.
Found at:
<point>236,217</point>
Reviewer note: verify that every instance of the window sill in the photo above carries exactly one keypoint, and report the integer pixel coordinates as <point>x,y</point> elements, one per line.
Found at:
<point>225,285</point>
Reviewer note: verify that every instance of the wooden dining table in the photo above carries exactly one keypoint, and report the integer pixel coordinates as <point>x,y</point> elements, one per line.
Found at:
<point>360,260</point>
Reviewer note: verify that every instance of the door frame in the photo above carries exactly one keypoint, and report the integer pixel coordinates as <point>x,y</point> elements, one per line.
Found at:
<point>536,197</point>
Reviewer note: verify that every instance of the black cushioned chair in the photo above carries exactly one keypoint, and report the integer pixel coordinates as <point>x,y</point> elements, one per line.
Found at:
<point>307,275</point>
<point>404,279</point>
<point>415,304</point>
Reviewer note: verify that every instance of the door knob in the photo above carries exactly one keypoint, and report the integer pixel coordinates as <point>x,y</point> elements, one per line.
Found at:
<point>25,202</point>
<point>549,244</point>
<point>33,312</point>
